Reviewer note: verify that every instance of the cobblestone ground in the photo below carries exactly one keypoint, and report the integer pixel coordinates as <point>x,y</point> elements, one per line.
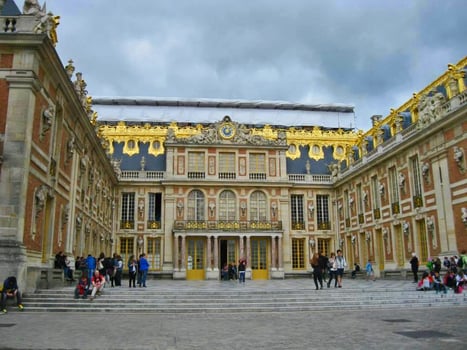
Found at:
<point>380,329</point>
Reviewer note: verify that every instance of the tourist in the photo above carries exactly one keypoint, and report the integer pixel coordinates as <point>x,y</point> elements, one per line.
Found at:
<point>341,264</point>
<point>324,263</point>
<point>370,273</point>
<point>317,271</point>
<point>132,271</point>
<point>90,266</point>
<point>426,283</point>
<point>118,272</point>
<point>438,284</point>
<point>241,270</point>
<point>414,266</point>
<point>98,283</point>
<point>81,290</point>
<point>10,290</point>
<point>232,271</point>
<point>332,270</point>
<point>144,267</point>
<point>70,264</point>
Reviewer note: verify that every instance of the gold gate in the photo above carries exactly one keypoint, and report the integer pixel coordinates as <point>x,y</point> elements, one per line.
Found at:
<point>195,258</point>
<point>259,266</point>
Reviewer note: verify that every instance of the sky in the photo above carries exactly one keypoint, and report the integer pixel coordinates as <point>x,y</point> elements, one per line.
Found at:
<point>366,53</point>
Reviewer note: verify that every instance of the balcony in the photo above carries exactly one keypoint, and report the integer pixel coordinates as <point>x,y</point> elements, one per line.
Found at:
<point>127,225</point>
<point>142,176</point>
<point>196,175</point>
<point>230,225</point>
<point>325,225</point>
<point>227,176</point>
<point>153,224</point>
<point>310,179</point>
<point>257,176</point>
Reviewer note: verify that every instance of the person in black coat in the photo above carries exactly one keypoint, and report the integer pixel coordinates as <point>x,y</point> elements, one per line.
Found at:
<point>10,290</point>
<point>414,264</point>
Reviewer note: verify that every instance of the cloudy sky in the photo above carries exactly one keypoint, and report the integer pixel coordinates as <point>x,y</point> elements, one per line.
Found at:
<point>367,53</point>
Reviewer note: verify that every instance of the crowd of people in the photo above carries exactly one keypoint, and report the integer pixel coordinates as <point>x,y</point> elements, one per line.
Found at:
<point>232,272</point>
<point>96,273</point>
<point>453,276</point>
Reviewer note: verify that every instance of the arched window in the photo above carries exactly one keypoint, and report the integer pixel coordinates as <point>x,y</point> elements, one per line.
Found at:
<point>258,206</point>
<point>227,206</point>
<point>195,206</point>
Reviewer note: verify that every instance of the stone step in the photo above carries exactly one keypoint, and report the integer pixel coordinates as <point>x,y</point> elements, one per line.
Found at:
<point>218,299</point>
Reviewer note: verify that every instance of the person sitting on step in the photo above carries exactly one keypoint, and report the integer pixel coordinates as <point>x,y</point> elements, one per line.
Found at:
<point>98,283</point>
<point>10,290</point>
<point>81,290</point>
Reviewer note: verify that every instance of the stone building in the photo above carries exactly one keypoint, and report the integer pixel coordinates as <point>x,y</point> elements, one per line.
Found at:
<point>197,184</point>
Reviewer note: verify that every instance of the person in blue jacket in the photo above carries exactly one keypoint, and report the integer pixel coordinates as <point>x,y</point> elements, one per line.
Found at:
<point>144,267</point>
<point>10,290</point>
<point>91,266</point>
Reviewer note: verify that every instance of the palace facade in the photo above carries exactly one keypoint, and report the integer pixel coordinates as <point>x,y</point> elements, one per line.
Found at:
<point>196,184</point>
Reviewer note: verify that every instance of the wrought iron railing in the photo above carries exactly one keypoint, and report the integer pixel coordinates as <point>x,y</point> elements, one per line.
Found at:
<point>227,225</point>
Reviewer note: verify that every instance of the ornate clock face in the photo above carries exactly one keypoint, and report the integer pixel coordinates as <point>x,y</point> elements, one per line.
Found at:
<point>227,130</point>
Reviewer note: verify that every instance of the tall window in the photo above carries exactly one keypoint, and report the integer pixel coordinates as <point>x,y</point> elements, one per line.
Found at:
<point>196,165</point>
<point>298,253</point>
<point>154,253</point>
<point>126,249</point>
<point>361,201</point>
<point>322,212</point>
<point>257,162</point>
<point>258,206</point>
<point>196,206</point>
<point>296,205</point>
<point>227,206</point>
<point>375,192</point>
<point>417,184</point>
<point>128,210</point>
<point>323,246</point>
<point>394,190</point>
<point>376,197</point>
<point>227,165</point>
<point>155,210</point>
<point>346,208</point>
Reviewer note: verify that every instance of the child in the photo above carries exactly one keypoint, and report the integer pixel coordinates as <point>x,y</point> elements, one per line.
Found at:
<point>81,289</point>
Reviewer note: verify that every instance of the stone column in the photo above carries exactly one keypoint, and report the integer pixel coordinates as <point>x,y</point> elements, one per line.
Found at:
<point>176,253</point>
<point>241,247</point>
<point>248,252</point>
<point>183,268</point>
<point>209,255</point>
<point>216,254</point>
<point>279,252</point>
<point>273,253</point>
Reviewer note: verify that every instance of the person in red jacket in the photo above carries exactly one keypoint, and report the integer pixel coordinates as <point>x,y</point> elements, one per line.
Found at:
<point>97,282</point>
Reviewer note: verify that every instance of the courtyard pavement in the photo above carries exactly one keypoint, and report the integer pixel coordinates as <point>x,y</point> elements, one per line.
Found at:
<point>429,328</point>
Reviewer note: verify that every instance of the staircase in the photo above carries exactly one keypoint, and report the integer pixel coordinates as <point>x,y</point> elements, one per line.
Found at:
<point>254,296</point>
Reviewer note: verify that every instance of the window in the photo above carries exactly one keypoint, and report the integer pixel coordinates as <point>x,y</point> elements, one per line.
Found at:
<point>258,206</point>
<point>376,197</point>
<point>227,206</point>
<point>361,201</point>
<point>195,206</point>
<point>128,210</point>
<point>394,190</point>
<point>154,253</point>
<point>257,168</point>
<point>155,210</point>
<point>296,206</point>
<point>126,249</point>
<point>298,253</point>
<point>196,165</point>
<point>227,165</point>
<point>322,212</point>
<point>417,185</point>
<point>323,246</point>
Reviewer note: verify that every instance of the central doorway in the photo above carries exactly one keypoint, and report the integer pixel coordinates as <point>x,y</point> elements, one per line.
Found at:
<point>227,252</point>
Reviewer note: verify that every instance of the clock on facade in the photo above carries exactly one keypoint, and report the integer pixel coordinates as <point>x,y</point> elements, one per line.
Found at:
<point>227,130</point>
